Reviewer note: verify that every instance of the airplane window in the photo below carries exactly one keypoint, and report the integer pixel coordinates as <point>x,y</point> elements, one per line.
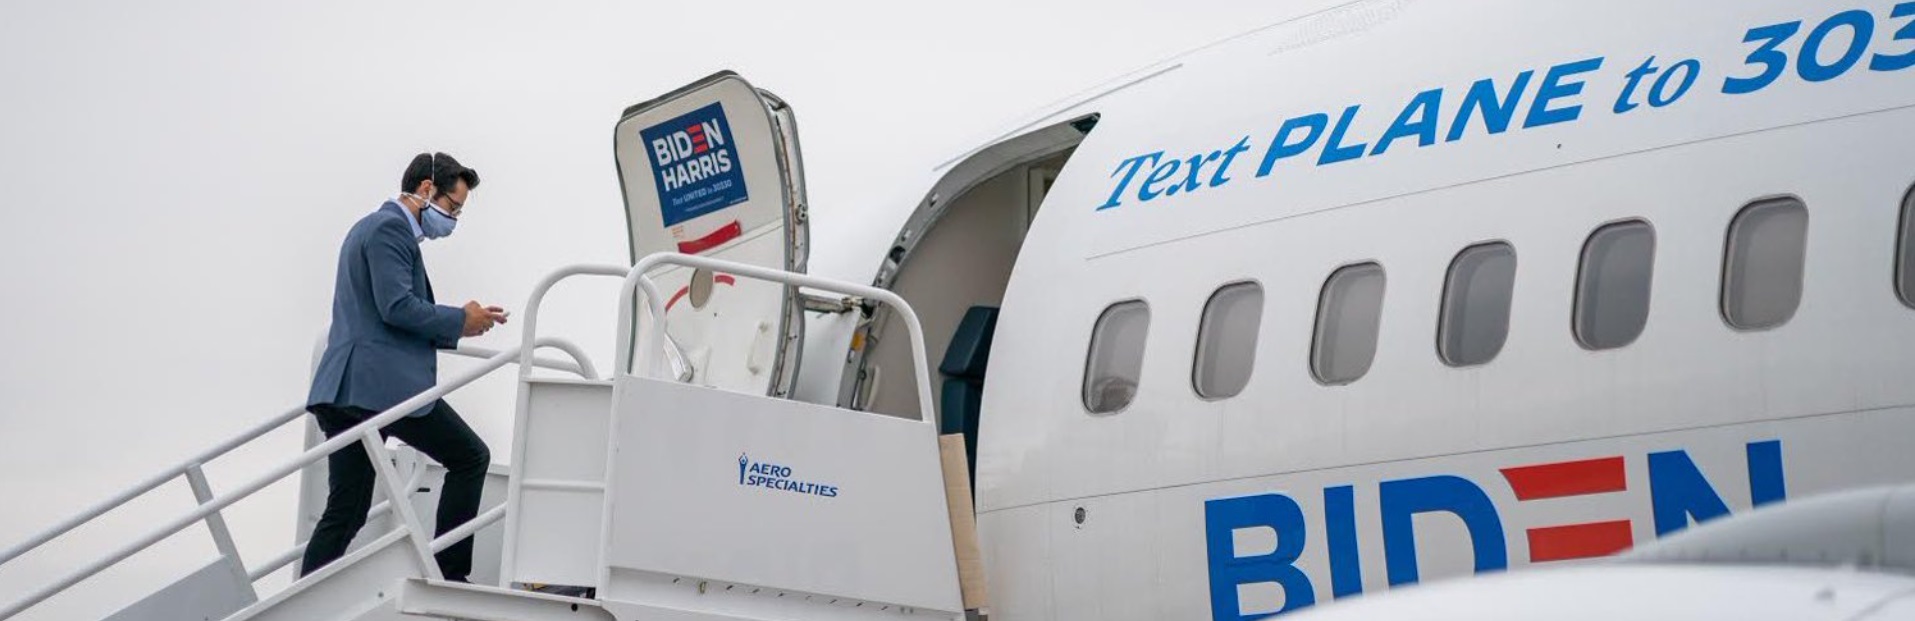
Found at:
<point>1612,288</point>
<point>1476,296</point>
<point>1116,357</point>
<point>1762,267</point>
<point>1905,252</point>
<point>1227,340</point>
<point>1348,315</point>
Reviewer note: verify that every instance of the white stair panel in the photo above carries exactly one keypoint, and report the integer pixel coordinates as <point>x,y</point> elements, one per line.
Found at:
<point>769,493</point>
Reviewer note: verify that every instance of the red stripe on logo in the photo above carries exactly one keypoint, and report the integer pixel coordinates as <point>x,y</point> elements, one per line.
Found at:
<point>1560,543</point>
<point>1569,478</point>
<point>715,239</point>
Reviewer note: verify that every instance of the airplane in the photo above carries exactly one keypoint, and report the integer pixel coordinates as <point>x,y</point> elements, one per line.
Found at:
<point>1391,293</point>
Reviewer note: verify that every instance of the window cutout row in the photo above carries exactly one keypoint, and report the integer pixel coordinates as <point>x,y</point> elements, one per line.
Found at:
<point>1763,268</point>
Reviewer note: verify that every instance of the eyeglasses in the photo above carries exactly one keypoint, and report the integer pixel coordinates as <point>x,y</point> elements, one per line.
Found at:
<point>457,206</point>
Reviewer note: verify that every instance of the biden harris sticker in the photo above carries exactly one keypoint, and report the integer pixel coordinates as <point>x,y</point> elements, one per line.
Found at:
<point>695,164</point>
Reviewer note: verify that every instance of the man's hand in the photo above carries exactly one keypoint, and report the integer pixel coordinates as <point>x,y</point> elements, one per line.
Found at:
<point>478,319</point>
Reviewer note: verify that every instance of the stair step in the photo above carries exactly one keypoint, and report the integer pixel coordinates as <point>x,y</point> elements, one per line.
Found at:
<point>470,602</point>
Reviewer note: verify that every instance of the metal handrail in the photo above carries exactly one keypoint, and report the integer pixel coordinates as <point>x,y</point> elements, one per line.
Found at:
<point>149,484</point>
<point>465,530</point>
<point>529,334</point>
<point>581,364</point>
<point>358,433</point>
<point>681,366</point>
<point>636,280</point>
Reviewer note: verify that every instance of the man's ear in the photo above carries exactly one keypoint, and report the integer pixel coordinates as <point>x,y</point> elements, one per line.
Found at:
<point>424,190</point>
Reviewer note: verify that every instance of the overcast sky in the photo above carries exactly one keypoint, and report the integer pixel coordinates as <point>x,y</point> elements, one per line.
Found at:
<point>175,179</point>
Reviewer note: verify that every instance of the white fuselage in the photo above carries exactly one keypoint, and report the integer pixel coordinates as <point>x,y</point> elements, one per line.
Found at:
<point>1178,506</point>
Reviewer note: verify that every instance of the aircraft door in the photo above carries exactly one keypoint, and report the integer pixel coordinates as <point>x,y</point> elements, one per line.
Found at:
<point>713,169</point>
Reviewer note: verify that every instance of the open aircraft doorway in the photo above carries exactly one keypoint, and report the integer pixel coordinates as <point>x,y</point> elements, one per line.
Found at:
<point>952,261</point>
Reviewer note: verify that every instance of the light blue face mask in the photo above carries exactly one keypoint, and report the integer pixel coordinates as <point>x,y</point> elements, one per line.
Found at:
<point>433,223</point>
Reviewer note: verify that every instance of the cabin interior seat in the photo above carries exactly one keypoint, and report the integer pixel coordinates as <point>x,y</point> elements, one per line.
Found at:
<point>962,395</point>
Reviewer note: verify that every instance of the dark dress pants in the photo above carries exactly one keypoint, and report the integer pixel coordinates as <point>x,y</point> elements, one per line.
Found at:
<point>441,435</point>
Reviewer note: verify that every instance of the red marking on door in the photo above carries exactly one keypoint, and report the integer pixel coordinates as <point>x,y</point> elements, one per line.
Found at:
<point>722,279</point>
<point>713,240</point>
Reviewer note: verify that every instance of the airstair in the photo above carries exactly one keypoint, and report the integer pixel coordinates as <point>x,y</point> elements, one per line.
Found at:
<point>640,495</point>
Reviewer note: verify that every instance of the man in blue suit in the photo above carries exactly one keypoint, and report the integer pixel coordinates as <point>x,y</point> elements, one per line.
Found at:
<point>381,351</point>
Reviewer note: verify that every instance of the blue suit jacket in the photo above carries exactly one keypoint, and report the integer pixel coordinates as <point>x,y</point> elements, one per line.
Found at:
<point>385,326</point>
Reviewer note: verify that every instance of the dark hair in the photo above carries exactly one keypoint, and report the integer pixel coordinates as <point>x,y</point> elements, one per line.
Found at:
<point>444,171</point>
